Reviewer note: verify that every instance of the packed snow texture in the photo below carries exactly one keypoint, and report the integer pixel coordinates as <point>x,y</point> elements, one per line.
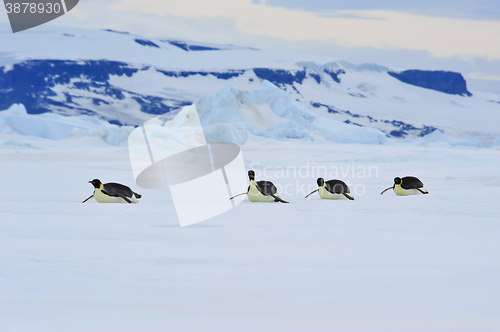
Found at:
<point>68,266</point>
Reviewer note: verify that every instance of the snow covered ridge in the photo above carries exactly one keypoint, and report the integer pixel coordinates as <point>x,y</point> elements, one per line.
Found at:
<point>269,112</point>
<point>231,115</point>
<point>272,113</point>
<point>127,79</point>
<point>80,88</point>
<point>130,94</point>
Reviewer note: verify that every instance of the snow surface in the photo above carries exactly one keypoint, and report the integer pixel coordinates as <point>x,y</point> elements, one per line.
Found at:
<point>68,266</point>
<point>268,267</point>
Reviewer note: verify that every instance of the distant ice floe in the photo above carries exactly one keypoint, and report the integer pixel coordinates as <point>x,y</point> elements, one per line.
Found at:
<point>438,139</point>
<point>17,121</point>
<point>272,113</point>
<point>230,115</point>
<point>496,144</point>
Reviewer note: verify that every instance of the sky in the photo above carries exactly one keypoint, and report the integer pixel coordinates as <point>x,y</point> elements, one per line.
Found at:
<point>458,35</point>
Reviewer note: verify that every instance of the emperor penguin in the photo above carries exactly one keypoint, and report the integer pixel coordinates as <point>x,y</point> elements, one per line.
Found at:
<point>332,189</point>
<point>409,185</point>
<point>261,191</point>
<point>112,193</point>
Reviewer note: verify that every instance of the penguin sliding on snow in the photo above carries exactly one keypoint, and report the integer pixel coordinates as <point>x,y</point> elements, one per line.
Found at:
<point>261,191</point>
<point>332,189</point>
<point>409,185</point>
<point>112,193</point>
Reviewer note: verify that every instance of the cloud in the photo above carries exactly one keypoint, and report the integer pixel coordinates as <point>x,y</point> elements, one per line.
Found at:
<point>477,10</point>
<point>380,29</point>
<point>481,76</point>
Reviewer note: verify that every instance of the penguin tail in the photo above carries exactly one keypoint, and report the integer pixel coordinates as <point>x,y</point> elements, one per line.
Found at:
<point>137,195</point>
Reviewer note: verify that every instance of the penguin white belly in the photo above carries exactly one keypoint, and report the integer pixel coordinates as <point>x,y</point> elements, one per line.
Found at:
<point>103,198</point>
<point>325,194</point>
<point>254,195</point>
<point>407,192</point>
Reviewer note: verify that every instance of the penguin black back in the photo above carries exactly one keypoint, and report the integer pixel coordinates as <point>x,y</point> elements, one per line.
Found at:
<point>116,189</point>
<point>409,182</point>
<point>337,187</point>
<point>266,188</point>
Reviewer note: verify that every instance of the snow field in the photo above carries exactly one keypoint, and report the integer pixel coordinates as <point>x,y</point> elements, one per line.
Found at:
<point>260,266</point>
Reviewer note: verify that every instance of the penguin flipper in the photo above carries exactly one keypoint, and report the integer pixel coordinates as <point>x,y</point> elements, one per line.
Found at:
<point>125,198</point>
<point>386,190</point>
<point>266,188</point>
<point>348,197</point>
<point>312,193</point>
<point>423,192</point>
<point>106,193</point>
<point>88,198</point>
<point>277,199</point>
<point>336,187</point>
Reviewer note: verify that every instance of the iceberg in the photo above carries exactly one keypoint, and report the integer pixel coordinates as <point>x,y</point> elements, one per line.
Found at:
<point>15,120</point>
<point>272,113</point>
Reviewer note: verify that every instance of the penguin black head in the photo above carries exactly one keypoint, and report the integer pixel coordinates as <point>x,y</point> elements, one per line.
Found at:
<point>320,182</point>
<point>251,175</point>
<point>397,180</point>
<point>96,183</point>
